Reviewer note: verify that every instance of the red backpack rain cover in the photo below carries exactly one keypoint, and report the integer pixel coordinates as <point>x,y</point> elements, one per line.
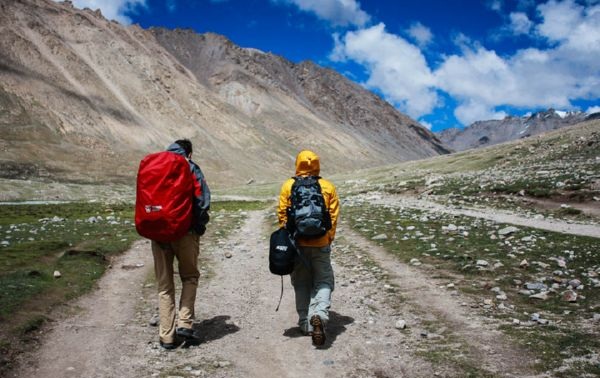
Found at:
<point>163,205</point>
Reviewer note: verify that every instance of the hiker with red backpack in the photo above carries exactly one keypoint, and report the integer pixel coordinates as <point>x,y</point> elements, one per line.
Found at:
<point>308,209</point>
<point>172,204</point>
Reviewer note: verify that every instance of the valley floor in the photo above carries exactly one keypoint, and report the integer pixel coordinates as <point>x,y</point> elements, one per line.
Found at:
<point>446,334</point>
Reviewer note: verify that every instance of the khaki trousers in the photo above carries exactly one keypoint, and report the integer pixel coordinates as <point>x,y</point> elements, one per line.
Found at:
<point>186,251</point>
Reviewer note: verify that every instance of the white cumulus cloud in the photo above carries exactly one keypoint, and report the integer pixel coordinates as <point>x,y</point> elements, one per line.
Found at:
<point>479,79</point>
<point>420,33</point>
<point>482,80</point>
<point>520,23</point>
<point>338,12</point>
<point>593,109</point>
<point>396,67</point>
<point>112,9</point>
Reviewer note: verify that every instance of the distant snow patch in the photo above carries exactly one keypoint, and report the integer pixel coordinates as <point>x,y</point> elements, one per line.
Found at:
<point>426,124</point>
<point>253,50</point>
<point>561,113</point>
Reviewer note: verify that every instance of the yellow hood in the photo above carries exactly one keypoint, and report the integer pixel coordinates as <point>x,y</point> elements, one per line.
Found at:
<point>307,164</point>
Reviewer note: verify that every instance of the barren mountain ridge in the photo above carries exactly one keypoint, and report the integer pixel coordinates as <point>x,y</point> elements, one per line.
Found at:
<point>82,99</point>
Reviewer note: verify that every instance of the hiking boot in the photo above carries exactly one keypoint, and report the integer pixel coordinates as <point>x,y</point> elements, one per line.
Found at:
<point>169,346</point>
<point>188,334</point>
<point>318,333</point>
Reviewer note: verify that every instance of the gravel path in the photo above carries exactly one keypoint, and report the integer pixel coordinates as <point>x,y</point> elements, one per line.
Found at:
<point>496,215</point>
<point>108,334</point>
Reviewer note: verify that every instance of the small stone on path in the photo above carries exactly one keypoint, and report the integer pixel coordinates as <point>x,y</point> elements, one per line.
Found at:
<point>400,324</point>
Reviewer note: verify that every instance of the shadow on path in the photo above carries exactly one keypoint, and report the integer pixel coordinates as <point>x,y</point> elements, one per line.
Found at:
<point>214,328</point>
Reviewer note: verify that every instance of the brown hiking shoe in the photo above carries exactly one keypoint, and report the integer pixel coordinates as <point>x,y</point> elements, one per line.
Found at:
<point>318,334</point>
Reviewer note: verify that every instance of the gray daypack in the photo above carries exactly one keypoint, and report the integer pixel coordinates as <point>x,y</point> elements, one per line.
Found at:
<point>308,216</point>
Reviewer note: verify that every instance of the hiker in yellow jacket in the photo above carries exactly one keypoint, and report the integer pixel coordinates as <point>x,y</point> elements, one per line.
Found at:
<point>314,283</point>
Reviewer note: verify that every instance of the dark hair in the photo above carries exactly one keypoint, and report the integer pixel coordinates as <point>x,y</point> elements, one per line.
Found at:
<point>186,144</point>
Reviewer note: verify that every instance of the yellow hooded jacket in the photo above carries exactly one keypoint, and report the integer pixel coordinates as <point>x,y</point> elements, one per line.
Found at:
<point>307,164</point>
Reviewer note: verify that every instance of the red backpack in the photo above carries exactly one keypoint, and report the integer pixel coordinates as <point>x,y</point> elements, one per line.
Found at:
<point>163,205</point>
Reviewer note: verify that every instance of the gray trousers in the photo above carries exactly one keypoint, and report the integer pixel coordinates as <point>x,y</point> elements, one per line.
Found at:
<point>313,285</point>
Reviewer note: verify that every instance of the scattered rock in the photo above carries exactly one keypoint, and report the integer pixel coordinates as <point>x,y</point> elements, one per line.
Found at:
<point>400,324</point>
<point>228,254</point>
<point>541,296</point>
<point>450,227</point>
<point>221,364</point>
<point>482,263</point>
<point>523,264</point>
<point>132,266</point>
<point>507,230</point>
<point>569,296</point>
<point>154,321</point>
<point>535,286</point>
<point>57,274</point>
<point>415,262</point>
<point>379,237</point>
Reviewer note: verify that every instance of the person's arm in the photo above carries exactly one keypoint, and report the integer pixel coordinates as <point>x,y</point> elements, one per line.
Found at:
<point>334,212</point>
<point>201,200</point>
<point>284,203</point>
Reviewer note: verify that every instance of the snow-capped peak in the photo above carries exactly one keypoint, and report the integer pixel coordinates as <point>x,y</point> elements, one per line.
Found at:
<point>561,113</point>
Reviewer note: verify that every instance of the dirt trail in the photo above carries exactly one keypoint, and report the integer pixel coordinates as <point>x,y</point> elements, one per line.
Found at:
<point>242,334</point>
<point>496,215</point>
<point>91,342</point>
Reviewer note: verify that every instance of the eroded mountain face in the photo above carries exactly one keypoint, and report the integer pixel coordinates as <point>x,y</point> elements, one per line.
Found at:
<point>83,99</point>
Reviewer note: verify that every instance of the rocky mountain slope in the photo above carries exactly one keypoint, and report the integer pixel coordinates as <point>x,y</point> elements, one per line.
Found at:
<point>487,133</point>
<point>82,99</point>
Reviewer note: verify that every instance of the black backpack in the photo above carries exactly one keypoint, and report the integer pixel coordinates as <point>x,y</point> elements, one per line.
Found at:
<point>308,216</point>
<point>282,256</point>
<point>282,252</point>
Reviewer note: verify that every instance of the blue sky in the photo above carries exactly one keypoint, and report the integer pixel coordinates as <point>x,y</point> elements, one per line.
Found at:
<point>443,62</point>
